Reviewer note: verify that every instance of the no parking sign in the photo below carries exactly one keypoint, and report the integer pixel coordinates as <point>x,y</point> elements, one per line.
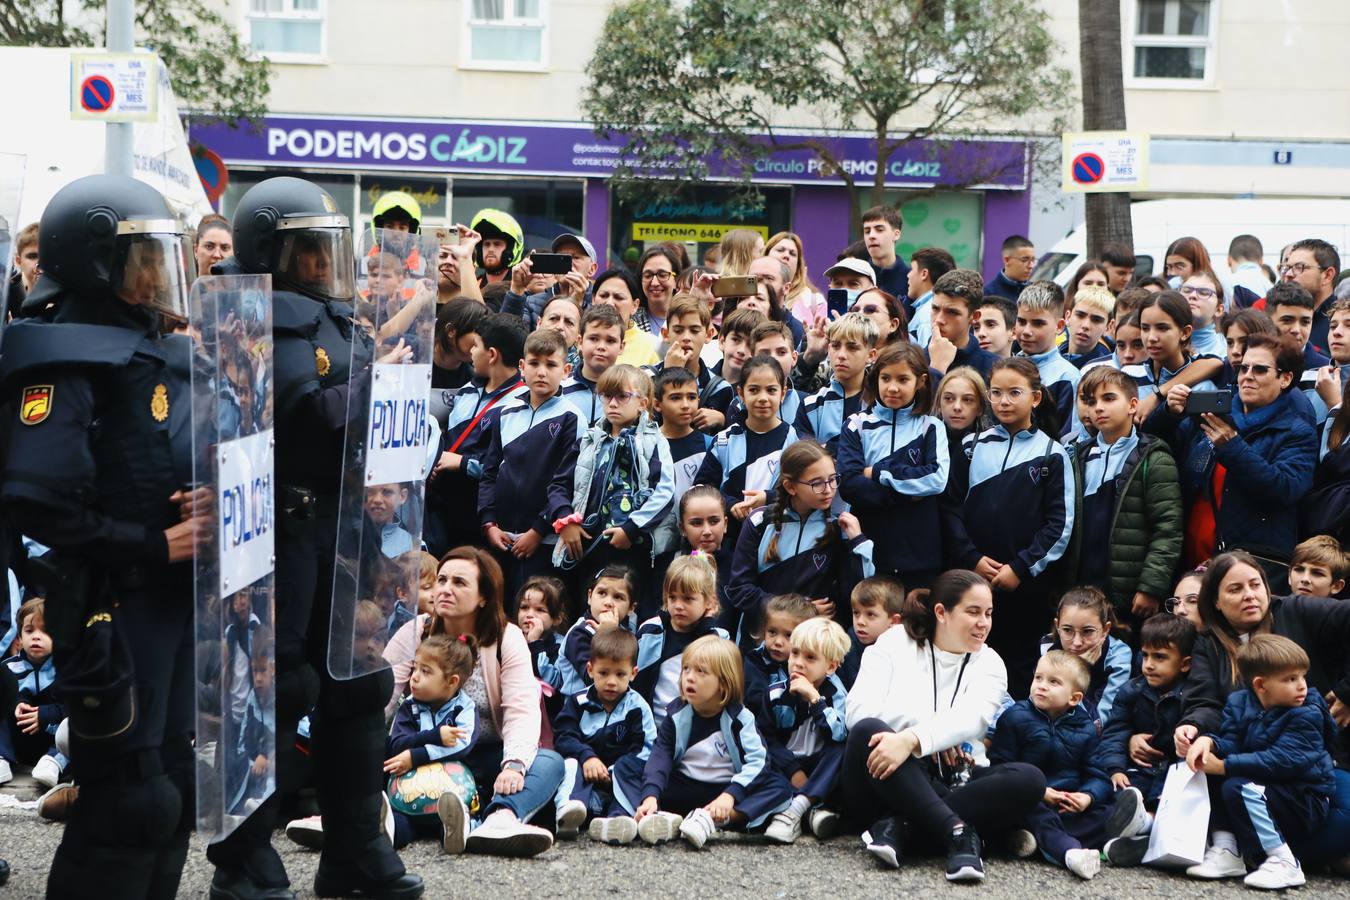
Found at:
<point>1104,161</point>
<point>114,87</point>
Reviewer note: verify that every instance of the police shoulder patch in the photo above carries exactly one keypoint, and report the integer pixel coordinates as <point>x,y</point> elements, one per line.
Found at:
<point>36,404</point>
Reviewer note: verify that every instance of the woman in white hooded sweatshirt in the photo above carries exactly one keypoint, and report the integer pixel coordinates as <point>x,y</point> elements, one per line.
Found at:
<point>917,715</point>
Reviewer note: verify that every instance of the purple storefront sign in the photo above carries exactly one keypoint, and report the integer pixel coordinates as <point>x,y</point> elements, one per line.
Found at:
<point>575,151</point>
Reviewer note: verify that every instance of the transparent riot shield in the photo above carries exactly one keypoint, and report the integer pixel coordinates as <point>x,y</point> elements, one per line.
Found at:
<point>390,445</point>
<point>12,168</point>
<point>233,472</point>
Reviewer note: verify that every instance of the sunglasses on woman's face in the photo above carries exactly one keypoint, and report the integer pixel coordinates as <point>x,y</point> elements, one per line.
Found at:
<point>1258,369</point>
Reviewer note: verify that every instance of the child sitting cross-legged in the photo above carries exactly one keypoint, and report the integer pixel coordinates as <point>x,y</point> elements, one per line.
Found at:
<point>1273,766</point>
<point>809,716</point>
<point>1052,731</point>
<point>1149,708</point>
<point>597,728</point>
<point>709,768</point>
<point>437,724</point>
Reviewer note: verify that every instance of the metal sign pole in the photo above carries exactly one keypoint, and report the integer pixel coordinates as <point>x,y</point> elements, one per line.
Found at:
<point>121,135</point>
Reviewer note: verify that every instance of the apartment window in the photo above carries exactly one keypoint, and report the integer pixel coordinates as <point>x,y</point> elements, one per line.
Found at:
<point>506,34</point>
<point>287,30</point>
<point>1173,42</point>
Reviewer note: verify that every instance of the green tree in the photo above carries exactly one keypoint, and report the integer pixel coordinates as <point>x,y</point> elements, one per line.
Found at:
<point>208,64</point>
<point>701,87</point>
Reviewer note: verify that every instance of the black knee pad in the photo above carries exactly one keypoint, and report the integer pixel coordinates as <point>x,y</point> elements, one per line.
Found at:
<point>297,690</point>
<point>358,696</point>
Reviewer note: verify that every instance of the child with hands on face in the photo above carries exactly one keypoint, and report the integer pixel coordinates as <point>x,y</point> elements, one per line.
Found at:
<point>609,605</point>
<point>709,768</point>
<point>541,609</point>
<point>437,722</point>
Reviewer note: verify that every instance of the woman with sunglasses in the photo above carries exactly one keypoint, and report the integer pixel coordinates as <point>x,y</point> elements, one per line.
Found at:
<point>1243,473</point>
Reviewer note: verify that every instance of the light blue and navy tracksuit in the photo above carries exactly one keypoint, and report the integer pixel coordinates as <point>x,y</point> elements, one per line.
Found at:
<point>1103,349</point>
<point>1206,341</point>
<point>585,730</point>
<point>697,758</point>
<point>1307,382</point>
<point>803,566</point>
<point>1011,498</point>
<point>902,499</point>
<point>546,654</point>
<point>1278,774</point>
<point>528,474</point>
<point>576,653</point>
<point>713,390</point>
<point>34,685</point>
<point>1060,378</point>
<point>828,410</point>
<point>743,460</point>
<point>1149,382</point>
<point>452,497</point>
<point>579,391</point>
<point>1065,749</point>
<point>417,729</point>
<point>659,649</point>
<point>813,734</point>
<point>1103,464</point>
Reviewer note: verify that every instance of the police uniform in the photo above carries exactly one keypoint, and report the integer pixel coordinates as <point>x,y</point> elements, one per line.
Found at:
<point>313,335</point>
<point>98,426</point>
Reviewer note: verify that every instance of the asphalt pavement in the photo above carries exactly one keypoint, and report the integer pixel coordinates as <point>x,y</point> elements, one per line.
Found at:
<point>582,868</point>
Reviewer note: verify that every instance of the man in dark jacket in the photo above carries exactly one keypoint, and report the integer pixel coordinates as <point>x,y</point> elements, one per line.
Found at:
<point>1019,259</point>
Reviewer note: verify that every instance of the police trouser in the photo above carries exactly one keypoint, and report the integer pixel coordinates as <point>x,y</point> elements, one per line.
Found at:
<point>347,730</point>
<point>127,835</point>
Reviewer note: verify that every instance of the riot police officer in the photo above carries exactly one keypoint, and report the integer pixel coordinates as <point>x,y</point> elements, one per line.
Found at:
<point>291,229</point>
<point>98,425</point>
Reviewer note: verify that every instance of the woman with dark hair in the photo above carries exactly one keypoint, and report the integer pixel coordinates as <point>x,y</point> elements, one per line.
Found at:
<point>657,270</point>
<point>886,310</point>
<point>917,716</point>
<point>1089,274</point>
<point>456,323</point>
<point>620,288</point>
<point>1234,604</point>
<point>516,779</point>
<point>1242,474</point>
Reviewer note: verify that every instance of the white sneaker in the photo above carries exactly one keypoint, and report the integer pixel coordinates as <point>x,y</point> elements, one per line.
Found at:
<point>571,816</point>
<point>824,823</point>
<point>1275,874</point>
<point>1218,863</point>
<point>615,830</point>
<point>697,828</point>
<point>1128,816</point>
<point>63,738</point>
<point>6,773</point>
<point>46,772</point>
<point>1083,862</point>
<point>454,816</point>
<point>1022,843</point>
<point>307,832</point>
<point>502,834</point>
<point>659,827</point>
<point>387,817</point>
<point>784,828</point>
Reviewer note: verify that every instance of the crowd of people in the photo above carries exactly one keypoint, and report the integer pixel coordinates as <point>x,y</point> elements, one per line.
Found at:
<point>955,564</point>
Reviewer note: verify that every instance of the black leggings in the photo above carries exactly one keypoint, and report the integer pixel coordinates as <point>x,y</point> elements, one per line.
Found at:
<point>995,799</point>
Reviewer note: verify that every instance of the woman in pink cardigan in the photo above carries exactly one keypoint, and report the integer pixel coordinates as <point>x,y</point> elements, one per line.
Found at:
<point>516,779</point>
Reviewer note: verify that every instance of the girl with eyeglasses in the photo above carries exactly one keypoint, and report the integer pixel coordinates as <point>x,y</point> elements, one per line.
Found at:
<point>893,465</point>
<point>1083,625</point>
<point>1244,473</point>
<point>1009,511</point>
<point>1203,292</point>
<point>796,546</point>
<point>1185,601</point>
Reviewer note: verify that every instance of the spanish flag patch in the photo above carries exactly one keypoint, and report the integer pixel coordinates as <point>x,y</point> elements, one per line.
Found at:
<point>36,404</point>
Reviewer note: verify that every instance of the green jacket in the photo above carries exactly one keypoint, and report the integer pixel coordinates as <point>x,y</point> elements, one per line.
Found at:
<point>1146,526</point>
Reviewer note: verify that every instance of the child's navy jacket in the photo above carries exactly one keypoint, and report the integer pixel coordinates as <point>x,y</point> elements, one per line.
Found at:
<point>417,728</point>
<point>1064,749</point>
<point>1283,745</point>
<point>584,729</point>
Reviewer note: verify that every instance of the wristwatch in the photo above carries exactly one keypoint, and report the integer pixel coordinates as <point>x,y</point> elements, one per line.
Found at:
<point>514,765</point>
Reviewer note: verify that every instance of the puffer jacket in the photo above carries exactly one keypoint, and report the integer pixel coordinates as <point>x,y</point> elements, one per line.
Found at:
<point>1064,749</point>
<point>1284,745</point>
<point>1269,467</point>
<point>1146,526</point>
<point>1142,709</point>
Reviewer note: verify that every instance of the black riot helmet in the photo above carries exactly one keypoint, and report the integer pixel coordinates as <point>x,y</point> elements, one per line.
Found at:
<point>292,230</point>
<point>113,236</point>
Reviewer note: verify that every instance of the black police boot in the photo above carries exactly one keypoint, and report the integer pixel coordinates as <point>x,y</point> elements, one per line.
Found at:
<point>4,872</point>
<point>247,866</point>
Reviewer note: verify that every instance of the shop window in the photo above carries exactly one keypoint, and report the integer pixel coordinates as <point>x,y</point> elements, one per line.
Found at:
<point>506,34</point>
<point>288,30</point>
<point>696,219</point>
<point>953,221</point>
<point>1172,43</point>
<point>545,208</point>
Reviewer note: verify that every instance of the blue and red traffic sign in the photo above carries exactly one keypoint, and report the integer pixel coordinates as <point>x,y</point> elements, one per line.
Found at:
<point>96,94</point>
<point>1088,168</point>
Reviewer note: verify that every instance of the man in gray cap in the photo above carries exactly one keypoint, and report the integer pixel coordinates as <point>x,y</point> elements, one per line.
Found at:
<point>577,282</point>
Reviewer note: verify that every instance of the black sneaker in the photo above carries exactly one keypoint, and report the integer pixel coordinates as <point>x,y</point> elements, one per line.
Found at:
<point>1125,852</point>
<point>963,855</point>
<point>882,840</point>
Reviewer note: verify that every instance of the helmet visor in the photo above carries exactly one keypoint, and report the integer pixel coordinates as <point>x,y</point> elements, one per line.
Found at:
<point>317,262</point>
<point>157,269</point>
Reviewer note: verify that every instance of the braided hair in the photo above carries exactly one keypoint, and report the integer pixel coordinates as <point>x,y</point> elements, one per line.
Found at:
<point>795,460</point>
